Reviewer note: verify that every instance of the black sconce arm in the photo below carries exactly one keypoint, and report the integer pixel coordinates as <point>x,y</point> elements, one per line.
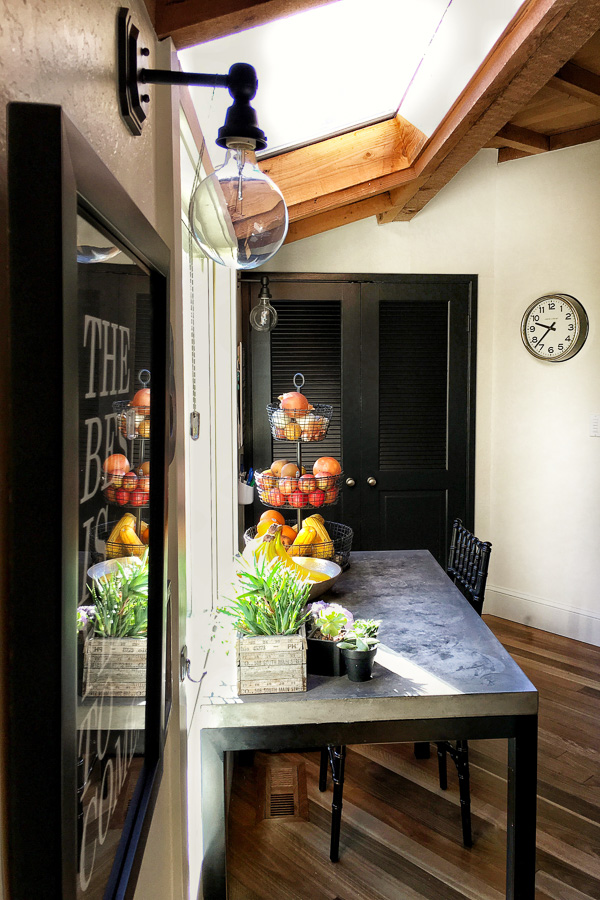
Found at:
<point>241,82</point>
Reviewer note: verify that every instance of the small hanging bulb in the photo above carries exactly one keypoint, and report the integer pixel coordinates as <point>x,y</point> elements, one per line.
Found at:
<point>263,317</point>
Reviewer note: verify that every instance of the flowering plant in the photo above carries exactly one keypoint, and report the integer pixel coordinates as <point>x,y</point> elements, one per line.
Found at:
<point>330,621</point>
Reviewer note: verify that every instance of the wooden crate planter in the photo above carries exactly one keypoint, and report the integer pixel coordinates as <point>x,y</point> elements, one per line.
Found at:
<point>114,667</point>
<point>272,664</point>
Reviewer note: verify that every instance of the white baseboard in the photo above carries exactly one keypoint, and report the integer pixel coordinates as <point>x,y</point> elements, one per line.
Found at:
<point>578,624</point>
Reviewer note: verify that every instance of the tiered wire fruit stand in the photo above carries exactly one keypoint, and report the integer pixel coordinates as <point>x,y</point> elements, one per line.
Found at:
<point>130,491</point>
<point>304,492</point>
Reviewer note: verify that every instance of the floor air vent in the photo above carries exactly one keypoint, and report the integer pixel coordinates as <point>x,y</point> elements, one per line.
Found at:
<point>281,790</point>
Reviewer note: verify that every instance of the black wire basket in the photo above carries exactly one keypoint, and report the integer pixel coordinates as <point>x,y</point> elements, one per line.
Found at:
<point>306,492</point>
<point>299,424</point>
<point>101,547</point>
<point>337,549</point>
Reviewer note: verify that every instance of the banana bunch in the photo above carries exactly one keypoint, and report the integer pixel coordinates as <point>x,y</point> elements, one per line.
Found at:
<point>273,551</point>
<point>325,549</point>
<point>124,533</point>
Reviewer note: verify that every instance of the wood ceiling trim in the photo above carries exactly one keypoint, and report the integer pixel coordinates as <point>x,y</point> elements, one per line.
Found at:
<point>354,212</point>
<point>578,82</point>
<point>356,163</point>
<point>191,22</point>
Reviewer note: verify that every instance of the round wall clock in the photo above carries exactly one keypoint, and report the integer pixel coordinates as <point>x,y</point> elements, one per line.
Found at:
<point>554,327</point>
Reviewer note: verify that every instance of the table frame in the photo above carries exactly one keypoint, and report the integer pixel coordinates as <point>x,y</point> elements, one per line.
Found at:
<point>520,730</point>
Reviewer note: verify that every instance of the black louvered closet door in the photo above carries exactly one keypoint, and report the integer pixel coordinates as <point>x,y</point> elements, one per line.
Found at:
<point>394,358</point>
<point>416,421</point>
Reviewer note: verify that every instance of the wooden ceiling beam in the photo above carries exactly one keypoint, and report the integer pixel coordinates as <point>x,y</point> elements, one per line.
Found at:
<point>521,139</point>
<point>335,218</point>
<point>577,82</point>
<point>575,137</point>
<point>506,154</point>
<point>399,198</point>
<point>346,168</point>
<point>191,22</point>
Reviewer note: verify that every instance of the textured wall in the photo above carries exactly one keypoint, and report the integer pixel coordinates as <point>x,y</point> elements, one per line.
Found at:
<point>64,52</point>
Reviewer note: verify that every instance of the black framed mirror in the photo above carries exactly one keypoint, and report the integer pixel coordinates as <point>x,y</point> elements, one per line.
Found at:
<point>88,602</point>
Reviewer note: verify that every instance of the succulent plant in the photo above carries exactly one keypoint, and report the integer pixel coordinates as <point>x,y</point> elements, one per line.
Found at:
<point>363,635</point>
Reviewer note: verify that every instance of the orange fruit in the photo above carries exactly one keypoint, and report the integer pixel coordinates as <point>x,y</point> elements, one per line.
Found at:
<point>274,515</point>
<point>288,533</point>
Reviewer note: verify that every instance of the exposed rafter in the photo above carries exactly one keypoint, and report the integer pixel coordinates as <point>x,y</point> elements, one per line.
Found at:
<point>191,22</point>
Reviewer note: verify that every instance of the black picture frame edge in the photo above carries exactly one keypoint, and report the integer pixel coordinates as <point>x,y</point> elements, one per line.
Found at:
<point>53,171</point>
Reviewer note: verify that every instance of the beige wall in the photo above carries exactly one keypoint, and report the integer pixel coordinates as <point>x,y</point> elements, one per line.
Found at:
<point>64,52</point>
<point>526,228</point>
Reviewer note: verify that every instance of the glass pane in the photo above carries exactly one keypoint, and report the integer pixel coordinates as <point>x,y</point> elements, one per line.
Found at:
<point>115,370</point>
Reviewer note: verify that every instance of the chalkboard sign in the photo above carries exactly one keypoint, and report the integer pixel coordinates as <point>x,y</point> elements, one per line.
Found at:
<point>87,605</point>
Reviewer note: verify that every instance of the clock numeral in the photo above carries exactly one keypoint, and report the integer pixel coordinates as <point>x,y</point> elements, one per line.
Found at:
<point>542,309</point>
<point>534,340</point>
<point>571,327</point>
<point>568,316</point>
<point>561,347</point>
<point>552,306</point>
<point>532,327</point>
<point>536,318</point>
<point>540,346</point>
<point>550,349</point>
<point>568,337</point>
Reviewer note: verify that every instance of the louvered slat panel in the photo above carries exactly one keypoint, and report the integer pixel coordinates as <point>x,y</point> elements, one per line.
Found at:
<point>413,361</point>
<point>307,339</point>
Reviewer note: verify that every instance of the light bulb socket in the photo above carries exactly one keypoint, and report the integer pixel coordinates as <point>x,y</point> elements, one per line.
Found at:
<point>240,120</point>
<point>264,293</point>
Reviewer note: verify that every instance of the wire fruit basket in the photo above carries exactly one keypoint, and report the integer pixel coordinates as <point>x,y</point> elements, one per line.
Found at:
<point>310,491</point>
<point>115,549</point>
<point>337,549</point>
<point>299,424</point>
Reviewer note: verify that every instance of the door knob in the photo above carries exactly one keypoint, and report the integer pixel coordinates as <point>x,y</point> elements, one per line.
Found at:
<point>350,482</point>
<point>372,481</point>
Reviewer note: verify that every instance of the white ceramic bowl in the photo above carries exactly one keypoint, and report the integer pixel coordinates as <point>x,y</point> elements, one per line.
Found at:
<point>112,565</point>
<point>326,567</point>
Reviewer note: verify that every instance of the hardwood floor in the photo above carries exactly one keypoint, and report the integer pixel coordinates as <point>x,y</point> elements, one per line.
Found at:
<point>401,835</point>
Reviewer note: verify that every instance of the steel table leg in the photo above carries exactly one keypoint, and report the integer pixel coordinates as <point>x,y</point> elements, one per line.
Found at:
<point>522,794</point>
<point>214,819</point>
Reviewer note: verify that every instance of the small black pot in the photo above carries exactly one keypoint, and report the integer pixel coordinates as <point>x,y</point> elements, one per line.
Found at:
<point>359,663</point>
<point>324,658</point>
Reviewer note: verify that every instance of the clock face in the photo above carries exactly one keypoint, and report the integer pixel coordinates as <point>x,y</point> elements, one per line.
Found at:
<point>554,327</point>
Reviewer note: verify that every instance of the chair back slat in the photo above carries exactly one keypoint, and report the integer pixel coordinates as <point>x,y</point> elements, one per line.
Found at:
<point>468,562</point>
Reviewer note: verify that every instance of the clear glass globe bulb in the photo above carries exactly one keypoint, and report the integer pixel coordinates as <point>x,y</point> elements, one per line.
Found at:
<point>238,215</point>
<point>263,317</point>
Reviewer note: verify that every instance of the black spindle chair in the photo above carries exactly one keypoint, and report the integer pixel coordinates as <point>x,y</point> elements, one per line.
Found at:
<point>468,562</point>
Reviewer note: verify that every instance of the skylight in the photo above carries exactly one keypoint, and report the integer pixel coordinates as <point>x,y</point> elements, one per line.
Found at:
<point>352,62</point>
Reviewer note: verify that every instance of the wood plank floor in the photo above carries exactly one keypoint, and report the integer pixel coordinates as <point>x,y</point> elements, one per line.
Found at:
<point>401,835</point>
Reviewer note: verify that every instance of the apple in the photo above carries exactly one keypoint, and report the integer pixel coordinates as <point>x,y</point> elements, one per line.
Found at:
<point>130,481</point>
<point>307,483</point>
<point>144,469</point>
<point>324,482</point>
<point>316,498</point>
<point>288,485</point>
<point>110,493</point>
<point>122,497</point>
<point>298,499</point>
<point>331,496</point>
<point>144,483</point>
<point>138,498</point>
<point>275,498</point>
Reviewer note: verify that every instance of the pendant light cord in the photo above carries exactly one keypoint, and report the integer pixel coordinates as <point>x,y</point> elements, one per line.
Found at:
<point>194,415</point>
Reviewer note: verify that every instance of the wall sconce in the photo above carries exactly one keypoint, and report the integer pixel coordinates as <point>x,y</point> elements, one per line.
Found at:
<point>237,215</point>
<point>263,316</point>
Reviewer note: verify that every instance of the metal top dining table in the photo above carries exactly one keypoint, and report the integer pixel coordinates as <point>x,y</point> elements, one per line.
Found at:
<point>439,674</point>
